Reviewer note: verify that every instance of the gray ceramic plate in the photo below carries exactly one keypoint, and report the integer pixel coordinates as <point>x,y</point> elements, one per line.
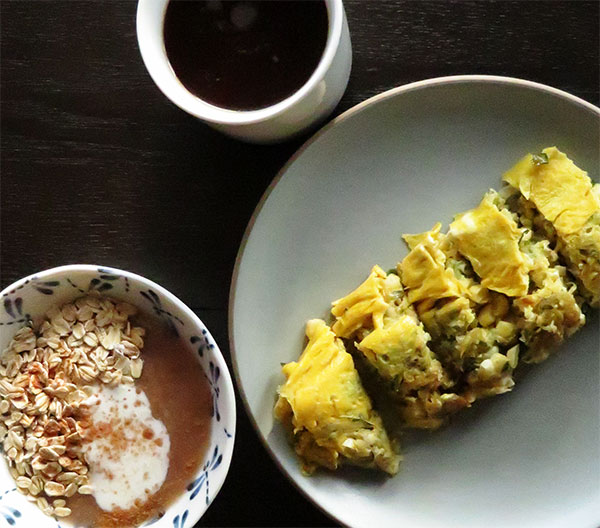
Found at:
<point>395,164</point>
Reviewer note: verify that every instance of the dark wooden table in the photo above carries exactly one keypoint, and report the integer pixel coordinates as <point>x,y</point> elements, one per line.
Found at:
<point>98,167</point>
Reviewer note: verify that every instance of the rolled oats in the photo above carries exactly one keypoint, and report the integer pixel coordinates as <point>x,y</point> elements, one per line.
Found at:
<point>48,453</point>
<point>23,482</point>
<point>90,339</point>
<point>45,376</point>
<point>62,511</point>
<point>78,331</point>
<point>71,489</point>
<point>136,368</point>
<point>54,489</point>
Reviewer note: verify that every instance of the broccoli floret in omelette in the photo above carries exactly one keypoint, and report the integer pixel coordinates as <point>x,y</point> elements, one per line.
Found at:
<point>327,411</point>
<point>557,200</point>
<point>393,342</point>
<point>472,328</point>
<point>509,261</point>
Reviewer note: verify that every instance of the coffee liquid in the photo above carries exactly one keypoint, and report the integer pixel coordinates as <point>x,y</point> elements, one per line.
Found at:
<point>245,55</point>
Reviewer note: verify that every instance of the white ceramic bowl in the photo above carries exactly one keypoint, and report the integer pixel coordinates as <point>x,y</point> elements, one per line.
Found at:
<point>30,297</point>
<point>395,164</point>
<point>305,108</point>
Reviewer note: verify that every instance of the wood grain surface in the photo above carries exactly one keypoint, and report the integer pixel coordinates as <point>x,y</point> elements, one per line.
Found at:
<point>98,167</point>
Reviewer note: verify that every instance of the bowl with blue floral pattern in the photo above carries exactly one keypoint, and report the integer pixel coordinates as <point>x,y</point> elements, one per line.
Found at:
<point>25,304</point>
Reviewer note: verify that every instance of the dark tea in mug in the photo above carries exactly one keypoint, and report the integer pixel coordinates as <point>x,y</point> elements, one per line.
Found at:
<point>245,55</point>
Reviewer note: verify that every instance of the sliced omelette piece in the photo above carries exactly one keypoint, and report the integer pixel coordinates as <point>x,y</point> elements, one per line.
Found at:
<point>424,271</point>
<point>508,260</point>
<point>414,377</point>
<point>471,325</point>
<point>440,286</point>
<point>393,342</point>
<point>549,313</point>
<point>489,239</point>
<point>327,411</point>
<point>412,374</point>
<point>399,352</point>
<point>558,200</point>
<point>364,307</point>
<point>435,289</point>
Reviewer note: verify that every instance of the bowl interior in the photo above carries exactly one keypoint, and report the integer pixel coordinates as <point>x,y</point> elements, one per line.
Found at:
<point>398,165</point>
<point>30,298</point>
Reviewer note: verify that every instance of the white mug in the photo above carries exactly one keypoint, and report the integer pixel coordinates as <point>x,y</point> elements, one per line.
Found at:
<point>308,106</point>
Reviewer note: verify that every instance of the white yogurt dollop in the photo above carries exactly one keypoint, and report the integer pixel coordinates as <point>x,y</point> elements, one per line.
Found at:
<point>127,449</point>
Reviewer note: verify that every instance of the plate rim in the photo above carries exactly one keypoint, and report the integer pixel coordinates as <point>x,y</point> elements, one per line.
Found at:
<point>387,94</point>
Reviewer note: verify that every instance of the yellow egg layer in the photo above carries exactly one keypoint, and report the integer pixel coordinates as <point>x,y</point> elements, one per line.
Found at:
<point>327,410</point>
